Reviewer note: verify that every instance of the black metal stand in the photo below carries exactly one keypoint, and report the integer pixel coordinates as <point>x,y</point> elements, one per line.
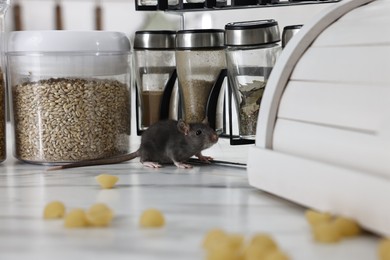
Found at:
<point>166,98</point>
<point>212,102</point>
<point>163,5</point>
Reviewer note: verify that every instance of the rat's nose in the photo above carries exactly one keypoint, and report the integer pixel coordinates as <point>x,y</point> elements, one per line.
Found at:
<point>214,138</point>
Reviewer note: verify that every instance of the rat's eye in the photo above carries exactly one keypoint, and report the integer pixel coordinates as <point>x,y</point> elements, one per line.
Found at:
<point>198,132</point>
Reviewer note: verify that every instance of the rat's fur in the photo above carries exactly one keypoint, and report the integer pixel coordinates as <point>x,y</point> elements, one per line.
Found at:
<point>164,142</point>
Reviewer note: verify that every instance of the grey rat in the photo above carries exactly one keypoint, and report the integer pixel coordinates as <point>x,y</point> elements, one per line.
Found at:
<point>167,141</point>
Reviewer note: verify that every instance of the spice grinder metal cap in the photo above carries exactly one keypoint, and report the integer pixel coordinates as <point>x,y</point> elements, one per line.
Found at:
<point>252,33</point>
<point>156,40</point>
<point>288,32</point>
<point>198,39</point>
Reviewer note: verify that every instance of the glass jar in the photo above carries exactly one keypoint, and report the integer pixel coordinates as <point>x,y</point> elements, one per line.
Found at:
<point>154,57</point>
<point>4,5</point>
<point>200,57</point>
<point>69,95</point>
<point>251,51</point>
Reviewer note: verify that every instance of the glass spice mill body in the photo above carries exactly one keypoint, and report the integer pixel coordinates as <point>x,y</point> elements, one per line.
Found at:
<point>251,51</point>
<point>200,57</point>
<point>155,69</point>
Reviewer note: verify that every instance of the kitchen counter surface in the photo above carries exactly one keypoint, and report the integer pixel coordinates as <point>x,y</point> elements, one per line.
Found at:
<point>193,202</point>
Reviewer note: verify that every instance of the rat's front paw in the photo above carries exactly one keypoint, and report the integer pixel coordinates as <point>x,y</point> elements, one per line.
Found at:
<point>183,165</point>
<point>151,164</point>
<point>205,159</point>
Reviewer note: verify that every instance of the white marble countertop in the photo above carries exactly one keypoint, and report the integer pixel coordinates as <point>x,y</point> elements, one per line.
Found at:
<point>193,202</point>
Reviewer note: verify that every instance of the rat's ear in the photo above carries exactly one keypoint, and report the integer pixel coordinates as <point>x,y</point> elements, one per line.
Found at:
<point>183,127</point>
<point>205,121</point>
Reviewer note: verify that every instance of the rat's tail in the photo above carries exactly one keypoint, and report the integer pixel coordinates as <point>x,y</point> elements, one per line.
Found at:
<point>103,161</point>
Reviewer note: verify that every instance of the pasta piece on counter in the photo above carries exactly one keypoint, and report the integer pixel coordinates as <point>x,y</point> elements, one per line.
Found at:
<point>331,229</point>
<point>315,217</point>
<point>347,227</point>
<point>54,210</point>
<point>220,245</point>
<point>107,181</point>
<point>277,255</point>
<point>213,237</point>
<point>152,218</point>
<point>99,215</point>
<point>76,218</point>
<point>326,233</point>
<point>384,249</point>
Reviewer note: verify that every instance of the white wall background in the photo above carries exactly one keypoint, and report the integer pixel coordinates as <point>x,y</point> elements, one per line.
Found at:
<point>120,15</point>
<point>117,15</point>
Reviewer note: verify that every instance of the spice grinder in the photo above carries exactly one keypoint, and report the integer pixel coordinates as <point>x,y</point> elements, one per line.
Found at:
<point>200,58</point>
<point>155,71</point>
<point>252,48</point>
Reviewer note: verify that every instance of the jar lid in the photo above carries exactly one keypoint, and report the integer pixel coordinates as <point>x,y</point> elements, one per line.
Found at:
<point>68,53</point>
<point>156,40</point>
<point>252,33</point>
<point>198,39</point>
<point>68,41</point>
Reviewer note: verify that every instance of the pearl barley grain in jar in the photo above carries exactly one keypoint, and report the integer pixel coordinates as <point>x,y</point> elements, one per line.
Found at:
<point>70,96</point>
